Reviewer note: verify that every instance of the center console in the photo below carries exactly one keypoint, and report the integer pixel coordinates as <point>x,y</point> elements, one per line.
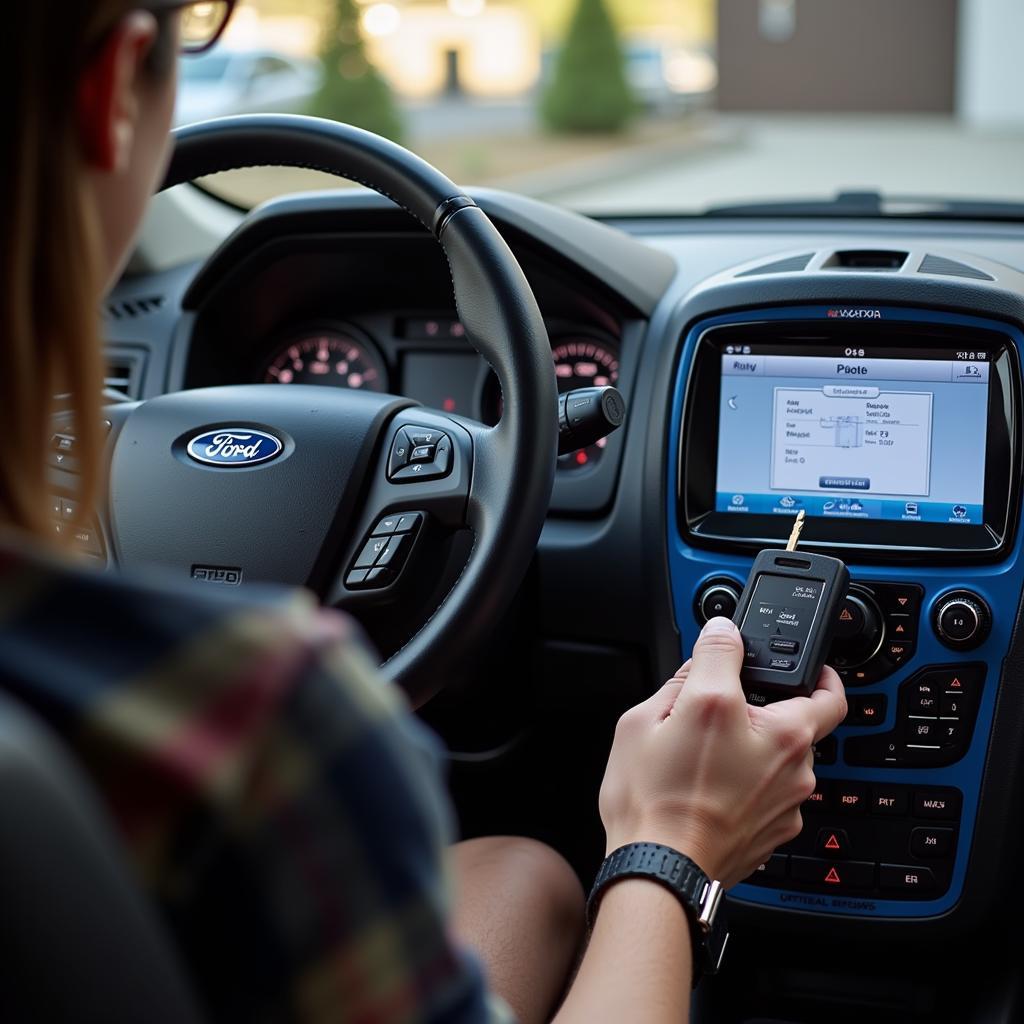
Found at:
<point>896,432</point>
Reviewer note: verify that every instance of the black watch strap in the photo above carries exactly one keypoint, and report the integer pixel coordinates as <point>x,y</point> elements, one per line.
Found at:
<point>700,896</point>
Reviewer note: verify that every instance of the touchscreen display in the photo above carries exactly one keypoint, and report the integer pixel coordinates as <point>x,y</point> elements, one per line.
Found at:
<point>851,435</point>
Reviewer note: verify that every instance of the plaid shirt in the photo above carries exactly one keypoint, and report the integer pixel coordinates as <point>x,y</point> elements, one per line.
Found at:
<point>281,806</point>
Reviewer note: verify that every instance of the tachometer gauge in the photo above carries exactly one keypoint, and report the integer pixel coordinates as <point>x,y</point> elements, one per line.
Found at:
<point>582,362</point>
<point>331,357</point>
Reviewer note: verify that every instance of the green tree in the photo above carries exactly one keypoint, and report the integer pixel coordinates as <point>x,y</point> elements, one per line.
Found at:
<point>589,91</point>
<point>352,90</point>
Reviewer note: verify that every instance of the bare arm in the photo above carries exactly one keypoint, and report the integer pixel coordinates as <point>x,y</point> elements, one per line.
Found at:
<point>637,966</point>
<point>699,770</point>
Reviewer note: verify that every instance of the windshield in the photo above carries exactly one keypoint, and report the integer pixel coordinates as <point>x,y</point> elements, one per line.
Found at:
<point>624,107</point>
<point>207,68</point>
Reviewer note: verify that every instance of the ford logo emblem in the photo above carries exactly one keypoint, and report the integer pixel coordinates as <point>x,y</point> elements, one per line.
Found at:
<point>229,447</point>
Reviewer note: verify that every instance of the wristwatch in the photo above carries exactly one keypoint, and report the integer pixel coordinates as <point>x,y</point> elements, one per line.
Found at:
<point>700,896</point>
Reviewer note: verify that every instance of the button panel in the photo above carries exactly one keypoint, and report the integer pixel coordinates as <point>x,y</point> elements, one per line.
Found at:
<point>899,606</point>
<point>384,552</point>
<point>419,453</point>
<point>85,536</point>
<point>889,840</point>
<point>935,715</point>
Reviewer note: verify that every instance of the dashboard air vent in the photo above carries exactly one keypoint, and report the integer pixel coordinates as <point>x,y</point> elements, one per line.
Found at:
<point>933,264</point>
<point>790,264</point>
<point>123,378</point>
<point>130,309</point>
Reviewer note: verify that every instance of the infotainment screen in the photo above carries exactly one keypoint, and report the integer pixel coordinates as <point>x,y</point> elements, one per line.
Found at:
<point>847,434</point>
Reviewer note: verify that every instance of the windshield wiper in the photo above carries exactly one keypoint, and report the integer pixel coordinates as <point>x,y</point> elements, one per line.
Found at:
<point>875,204</point>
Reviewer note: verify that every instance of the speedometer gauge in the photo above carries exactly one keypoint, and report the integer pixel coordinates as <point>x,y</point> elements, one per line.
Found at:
<point>330,357</point>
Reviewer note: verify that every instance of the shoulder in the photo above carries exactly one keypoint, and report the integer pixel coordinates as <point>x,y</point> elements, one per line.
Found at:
<point>145,658</point>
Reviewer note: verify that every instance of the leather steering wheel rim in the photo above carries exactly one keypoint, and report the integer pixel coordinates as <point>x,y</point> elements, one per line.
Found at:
<point>513,472</point>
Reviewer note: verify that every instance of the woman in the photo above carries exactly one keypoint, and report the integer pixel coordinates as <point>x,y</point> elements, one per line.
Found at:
<point>280,804</point>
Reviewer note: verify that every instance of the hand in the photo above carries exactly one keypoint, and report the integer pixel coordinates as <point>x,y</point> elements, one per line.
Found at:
<point>699,769</point>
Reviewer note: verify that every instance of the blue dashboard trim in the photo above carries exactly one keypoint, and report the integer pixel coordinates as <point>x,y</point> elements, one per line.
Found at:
<point>999,583</point>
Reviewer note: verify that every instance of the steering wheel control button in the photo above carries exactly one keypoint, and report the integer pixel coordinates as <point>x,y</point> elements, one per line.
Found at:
<point>394,548</point>
<point>421,436</point>
<point>931,842</point>
<point>962,620</point>
<point>384,552</point>
<point>717,597</point>
<point>408,522</point>
<point>371,552</point>
<point>428,455</point>
<point>400,449</point>
<point>388,525</point>
<point>906,877</point>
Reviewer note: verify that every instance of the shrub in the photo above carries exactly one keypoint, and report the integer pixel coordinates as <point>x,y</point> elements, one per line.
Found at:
<point>589,91</point>
<point>353,91</point>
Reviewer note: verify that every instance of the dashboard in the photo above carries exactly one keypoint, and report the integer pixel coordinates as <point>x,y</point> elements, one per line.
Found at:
<point>425,358</point>
<point>867,372</point>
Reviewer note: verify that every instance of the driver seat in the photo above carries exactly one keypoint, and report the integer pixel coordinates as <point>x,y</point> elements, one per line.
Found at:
<point>78,939</point>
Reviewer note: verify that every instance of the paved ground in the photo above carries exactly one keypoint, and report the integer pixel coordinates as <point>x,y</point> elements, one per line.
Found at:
<point>813,157</point>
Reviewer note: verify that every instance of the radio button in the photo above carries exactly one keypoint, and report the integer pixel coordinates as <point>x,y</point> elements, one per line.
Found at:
<point>906,877</point>
<point>850,798</point>
<point>931,842</point>
<point>889,800</point>
<point>937,803</point>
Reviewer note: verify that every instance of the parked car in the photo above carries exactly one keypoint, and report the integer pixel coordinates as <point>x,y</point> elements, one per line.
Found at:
<point>243,82</point>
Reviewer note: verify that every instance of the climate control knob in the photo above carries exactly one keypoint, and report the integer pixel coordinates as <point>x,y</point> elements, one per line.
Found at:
<point>962,620</point>
<point>717,597</point>
<point>858,632</point>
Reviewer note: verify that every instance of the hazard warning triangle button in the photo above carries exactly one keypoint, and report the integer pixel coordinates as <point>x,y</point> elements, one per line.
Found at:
<point>845,616</point>
<point>956,684</point>
<point>833,877</point>
<point>834,842</point>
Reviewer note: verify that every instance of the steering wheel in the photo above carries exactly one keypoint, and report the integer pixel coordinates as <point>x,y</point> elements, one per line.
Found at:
<point>290,484</point>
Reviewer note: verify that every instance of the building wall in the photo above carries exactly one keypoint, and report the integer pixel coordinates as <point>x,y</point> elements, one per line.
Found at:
<point>991,86</point>
<point>839,55</point>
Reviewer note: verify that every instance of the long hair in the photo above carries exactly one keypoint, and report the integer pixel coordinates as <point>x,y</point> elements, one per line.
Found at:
<point>51,260</point>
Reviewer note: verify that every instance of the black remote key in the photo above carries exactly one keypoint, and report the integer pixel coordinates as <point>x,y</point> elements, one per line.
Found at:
<point>787,614</point>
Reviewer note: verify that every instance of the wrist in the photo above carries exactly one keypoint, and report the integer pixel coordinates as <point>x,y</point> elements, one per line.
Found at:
<point>687,842</point>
